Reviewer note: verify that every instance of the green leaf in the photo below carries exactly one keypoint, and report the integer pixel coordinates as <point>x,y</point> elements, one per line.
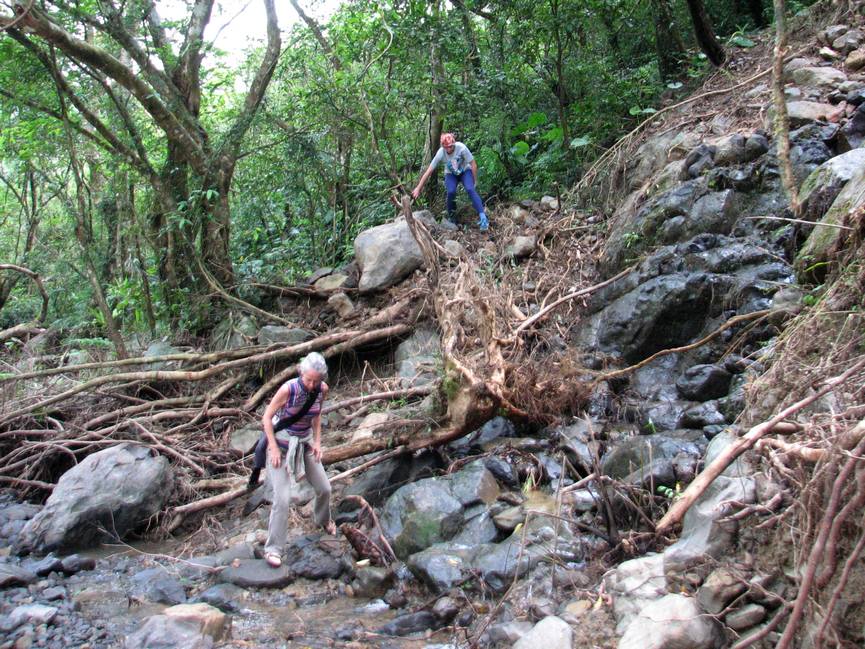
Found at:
<point>675,85</point>
<point>555,134</point>
<point>537,119</point>
<point>581,141</point>
<point>520,149</point>
<point>742,41</point>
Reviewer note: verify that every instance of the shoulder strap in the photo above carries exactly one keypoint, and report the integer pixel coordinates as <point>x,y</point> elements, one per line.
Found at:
<point>293,419</point>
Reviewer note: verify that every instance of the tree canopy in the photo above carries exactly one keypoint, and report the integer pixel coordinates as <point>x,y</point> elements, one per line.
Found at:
<point>145,166</point>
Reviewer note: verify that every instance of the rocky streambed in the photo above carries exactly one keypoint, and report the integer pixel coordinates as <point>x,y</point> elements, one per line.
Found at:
<point>509,536</point>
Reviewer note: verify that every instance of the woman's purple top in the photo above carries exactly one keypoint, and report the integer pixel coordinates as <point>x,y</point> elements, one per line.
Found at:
<point>296,398</point>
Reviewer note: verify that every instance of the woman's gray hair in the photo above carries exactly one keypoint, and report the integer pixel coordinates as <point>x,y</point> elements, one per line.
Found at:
<point>315,362</point>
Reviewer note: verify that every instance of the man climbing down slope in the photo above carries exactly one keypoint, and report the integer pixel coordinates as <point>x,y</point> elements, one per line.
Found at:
<point>460,167</point>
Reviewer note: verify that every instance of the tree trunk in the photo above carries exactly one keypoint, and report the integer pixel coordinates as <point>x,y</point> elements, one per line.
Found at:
<point>704,32</point>
<point>668,42</point>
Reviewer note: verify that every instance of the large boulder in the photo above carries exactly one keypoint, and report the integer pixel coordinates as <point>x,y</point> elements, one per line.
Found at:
<point>672,622</point>
<point>822,187</point>
<point>819,248</point>
<point>671,297</point>
<point>386,254</point>
<point>105,496</point>
<point>421,514</point>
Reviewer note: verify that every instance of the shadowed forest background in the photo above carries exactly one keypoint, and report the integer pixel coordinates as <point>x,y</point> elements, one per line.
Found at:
<point>143,165</point>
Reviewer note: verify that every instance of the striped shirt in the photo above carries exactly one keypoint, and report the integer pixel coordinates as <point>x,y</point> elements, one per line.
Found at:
<point>296,398</point>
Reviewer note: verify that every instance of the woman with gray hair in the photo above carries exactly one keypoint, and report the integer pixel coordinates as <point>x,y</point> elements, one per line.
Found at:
<point>294,451</point>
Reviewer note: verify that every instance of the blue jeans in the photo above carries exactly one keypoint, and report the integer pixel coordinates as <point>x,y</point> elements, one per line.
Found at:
<point>467,178</point>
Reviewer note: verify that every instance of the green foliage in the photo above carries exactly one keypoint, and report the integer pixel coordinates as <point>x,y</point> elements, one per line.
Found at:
<point>537,94</point>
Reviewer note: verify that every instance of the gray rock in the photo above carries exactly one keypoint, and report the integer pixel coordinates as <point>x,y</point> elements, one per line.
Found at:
<point>421,514</point>
<point>410,623</point>
<point>848,41</point>
<point>74,563</point>
<point>822,187</point>
<point>255,573</point>
<point>854,129</point>
<point>445,609</point>
<point>634,584</point>
<point>509,632</point>
<point>492,430</point>
<point>305,557</point>
<point>674,621</point>
<point>821,243</point>
<point>424,341</point>
<point>856,59</point>
<point>222,596</point>
<point>332,282</point>
<point>672,296</point>
<point>342,304</point>
<point>386,254</point>
<point>317,275</point>
<point>522,246</point>
<point>703,536</point>
<point>131,486</point>
<point>550,633</point>
<point>822,78</point>
<point>12,575</point>
<point>34,614</point>
<point>805,112</point>
<point>474,484</point>
<point>745,617</point>
<point>442,566</point>
<point>502,470</point>
<point>372,581</point>
<point>478,528</point>
<point>719,589</point>
<point>731,150</point>
<point>53,594</point>
<point>273,334</point>
<point>639,452</point>
<point>156,585</point>
<point>234,331</point>
<point>454,249</point>
<point>46,565</point>
<point>833,32</point>
<point>244,439</point>
<point>161,348</point>
<point>756,145</point>
<point>707,413</point>
<point>163,632</point>
<point>704,382</point>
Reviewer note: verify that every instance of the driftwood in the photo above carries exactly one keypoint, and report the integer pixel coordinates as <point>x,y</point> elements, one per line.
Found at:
<point>707,476</point>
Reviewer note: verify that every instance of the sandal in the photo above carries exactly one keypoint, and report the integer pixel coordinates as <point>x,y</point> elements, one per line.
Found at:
<point>273,560</point>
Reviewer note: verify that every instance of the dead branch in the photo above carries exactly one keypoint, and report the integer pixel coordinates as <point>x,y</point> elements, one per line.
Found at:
<point>806,453</point>
<point>186,375</point>
<point>178,514</point>
<point>363,467</point>
<point>732,322</point>
<point>707,476</point>
<point>570,296</point>
<point>422,390</point>
<point>357,339</point>
<point>818,549</point>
